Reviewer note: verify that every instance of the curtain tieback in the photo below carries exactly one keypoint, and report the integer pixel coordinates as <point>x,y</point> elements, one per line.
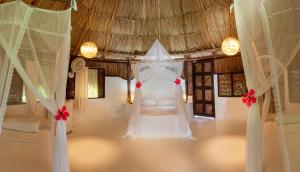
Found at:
<point>177,81</point>
<point>138,85</point>
<point>62,114</point>
<point>249,98</point>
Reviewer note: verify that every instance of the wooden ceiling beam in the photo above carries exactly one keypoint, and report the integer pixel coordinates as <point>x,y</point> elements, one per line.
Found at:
<point>144,14</point>
<point>86,27</point>
<point>109,27</point>
<point>205,13</point>
<point>158,21</point>
<point>134,41</point>
<point>201,33</point>
<point>184,25</point>
<point>196,33</point>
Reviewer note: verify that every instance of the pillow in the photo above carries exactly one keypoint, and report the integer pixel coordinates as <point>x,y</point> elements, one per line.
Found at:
<point>22,124</point>
<point>148,102</point>
<point>166,102</point>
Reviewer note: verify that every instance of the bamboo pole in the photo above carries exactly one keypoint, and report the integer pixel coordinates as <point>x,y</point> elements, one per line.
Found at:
<point>109,28</point>
<point>184,25</point>
<point>86,27</point>
<point>128,83</point>
<point>158,19</point>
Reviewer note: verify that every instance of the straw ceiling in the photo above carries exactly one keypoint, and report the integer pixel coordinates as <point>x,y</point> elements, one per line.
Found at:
<point>131,26</point>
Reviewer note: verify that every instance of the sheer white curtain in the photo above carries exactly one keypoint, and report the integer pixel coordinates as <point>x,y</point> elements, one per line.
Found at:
<point>169,72</point>
<point>269,36</point>
<point>81,89</point>
<point>6,74</point>
<point>31,104</point>
<point>158,65</point>
<point>41,37</point>
<point>134,124</point>
<point>93,83</point>
<point>31,101</point>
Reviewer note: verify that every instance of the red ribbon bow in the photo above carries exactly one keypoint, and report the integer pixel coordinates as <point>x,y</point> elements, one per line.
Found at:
<point>62,114</point>
<point>248,98</point>
<point>177,81</point>
<point>138,84</point>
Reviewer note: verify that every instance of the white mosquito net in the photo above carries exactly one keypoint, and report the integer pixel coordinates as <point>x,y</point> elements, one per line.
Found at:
<point>40,39</point>
<point>269,35</point>
<point>159,77</point>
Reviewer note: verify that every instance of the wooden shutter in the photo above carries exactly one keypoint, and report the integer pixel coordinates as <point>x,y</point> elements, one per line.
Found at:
<point>203,88</point>
<point>101,83</point>
<point>231,85</point>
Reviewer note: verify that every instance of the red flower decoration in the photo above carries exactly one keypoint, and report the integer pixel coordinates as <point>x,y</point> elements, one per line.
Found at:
<point>138,84</point>
<point>62,114</point>
<point>177,81</point>
<point>248,98</point>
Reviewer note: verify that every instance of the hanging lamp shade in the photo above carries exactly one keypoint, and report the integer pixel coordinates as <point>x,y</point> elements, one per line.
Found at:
<point>88,49</point>
<point>230,46</point>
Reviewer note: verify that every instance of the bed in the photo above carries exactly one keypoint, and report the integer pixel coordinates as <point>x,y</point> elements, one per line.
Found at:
<point>291,123</point>
<point>160,122</point>
<point>26,152</point>
<point>159,110</point>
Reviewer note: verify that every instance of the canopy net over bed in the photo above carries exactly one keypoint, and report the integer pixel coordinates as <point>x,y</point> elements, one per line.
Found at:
<point>269,35</point>
<point>158,108</point>
<point>36,43</point>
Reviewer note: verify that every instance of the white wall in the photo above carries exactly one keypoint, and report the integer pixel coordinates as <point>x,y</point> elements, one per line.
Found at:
<point>20,110</point>
<point>228,108</point>
<point>110,106</point>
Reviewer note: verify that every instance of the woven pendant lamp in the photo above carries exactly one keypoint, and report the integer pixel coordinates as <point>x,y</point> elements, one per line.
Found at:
<point>88,49</point>
<point>230,45</point>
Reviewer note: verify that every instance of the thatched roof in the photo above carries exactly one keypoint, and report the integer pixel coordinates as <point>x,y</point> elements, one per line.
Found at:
<point>131,26</point>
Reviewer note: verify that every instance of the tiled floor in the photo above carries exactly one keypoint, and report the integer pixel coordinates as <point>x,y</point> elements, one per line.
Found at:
<point>98,145</point>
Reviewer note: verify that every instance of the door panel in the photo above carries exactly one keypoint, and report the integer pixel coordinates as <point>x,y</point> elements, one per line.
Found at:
<point>203,88</point>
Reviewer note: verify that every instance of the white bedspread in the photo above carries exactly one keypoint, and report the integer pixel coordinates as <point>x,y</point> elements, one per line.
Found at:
<point>158,110</point>
<point>166,126</point>
<point>161,122</point>
<point>25,152</point>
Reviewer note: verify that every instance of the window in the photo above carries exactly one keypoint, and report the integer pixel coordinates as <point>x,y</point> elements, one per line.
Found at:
<point>24,100</point>
<point>93,83</point>
<point>96,83</point>
<point>231,85</point>
<point>16,90</point>
<point>293,80</point>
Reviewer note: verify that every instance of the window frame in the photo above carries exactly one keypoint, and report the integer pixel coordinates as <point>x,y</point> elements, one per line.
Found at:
<point>232,84</point>
<point>16,80</point>
<point>98,84</point>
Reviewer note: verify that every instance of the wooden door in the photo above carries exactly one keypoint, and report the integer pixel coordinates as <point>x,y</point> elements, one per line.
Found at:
<point>203,88</point>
